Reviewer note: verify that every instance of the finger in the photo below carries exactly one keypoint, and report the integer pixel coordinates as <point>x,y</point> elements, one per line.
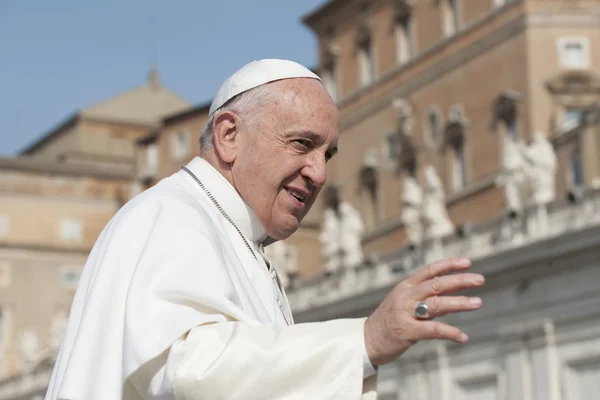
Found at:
<point>439,330</point>
<point>440,306</point>
<point>440,285</point>
<point>437,268</point>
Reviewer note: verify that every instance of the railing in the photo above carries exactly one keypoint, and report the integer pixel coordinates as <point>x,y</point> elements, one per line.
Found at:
<point>26,384</point>
<point>576,212</point>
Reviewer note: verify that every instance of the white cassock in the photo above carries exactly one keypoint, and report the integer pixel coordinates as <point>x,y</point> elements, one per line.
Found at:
<point>172,304</point>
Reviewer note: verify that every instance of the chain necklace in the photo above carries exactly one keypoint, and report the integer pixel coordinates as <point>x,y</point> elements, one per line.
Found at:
<point>275,276</point>
<point>216,203</point>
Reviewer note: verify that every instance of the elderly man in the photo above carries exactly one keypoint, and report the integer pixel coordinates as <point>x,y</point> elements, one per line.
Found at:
<point>178,300</point>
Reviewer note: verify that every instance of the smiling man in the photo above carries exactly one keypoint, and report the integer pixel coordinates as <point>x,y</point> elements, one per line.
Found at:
<point>177,299</point>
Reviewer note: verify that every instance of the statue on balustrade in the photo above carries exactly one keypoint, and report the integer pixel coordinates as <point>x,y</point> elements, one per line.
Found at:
<point>57,332</point>
<point>30,351</point>
<point>540,165</point>
<point>341,233</point>
<point>404,115</point>
<point>412,215</point>
<point>437,221</point>
<point>283,257</point>
<point>512,176</point>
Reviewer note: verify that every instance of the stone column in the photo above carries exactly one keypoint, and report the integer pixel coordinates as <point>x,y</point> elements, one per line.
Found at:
<point>441,379</point>
<point>589,148</point>
<point>531,361</point>
<point>517,366</point>
<point>545,362</point>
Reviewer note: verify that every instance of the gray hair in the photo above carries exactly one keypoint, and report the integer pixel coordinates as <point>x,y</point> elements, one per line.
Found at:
<point>247,105</point>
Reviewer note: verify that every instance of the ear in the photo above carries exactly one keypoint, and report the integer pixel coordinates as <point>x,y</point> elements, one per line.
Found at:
<point>225,130</point>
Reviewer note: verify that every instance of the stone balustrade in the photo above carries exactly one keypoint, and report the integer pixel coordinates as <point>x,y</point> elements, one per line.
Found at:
<point>580,210</point>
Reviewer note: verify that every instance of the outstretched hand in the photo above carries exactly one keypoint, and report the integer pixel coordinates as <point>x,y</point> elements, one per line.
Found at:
<point>393,327</point>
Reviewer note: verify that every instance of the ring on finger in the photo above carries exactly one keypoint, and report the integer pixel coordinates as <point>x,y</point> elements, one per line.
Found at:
<point>422,311</point>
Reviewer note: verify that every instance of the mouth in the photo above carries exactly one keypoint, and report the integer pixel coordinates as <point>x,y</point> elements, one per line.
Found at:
<point>299,195</point>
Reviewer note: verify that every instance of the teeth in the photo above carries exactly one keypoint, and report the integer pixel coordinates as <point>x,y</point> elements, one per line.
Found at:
<point>297,195</point>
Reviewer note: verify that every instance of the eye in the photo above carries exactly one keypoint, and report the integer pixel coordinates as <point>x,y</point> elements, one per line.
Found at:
<point>303,142</point>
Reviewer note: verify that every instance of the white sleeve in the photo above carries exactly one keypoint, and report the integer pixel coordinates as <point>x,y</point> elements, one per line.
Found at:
<point>231,360</point>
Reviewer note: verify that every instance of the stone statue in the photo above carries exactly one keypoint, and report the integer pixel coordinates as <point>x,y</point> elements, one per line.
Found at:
<point>412,216</point>
<point>30,351</point>
<point>404,114</point>
<point>283,257</point>
<point>434,206</point>
<point>456,114</point>
<point>57,331</point>
<point>512,176</point>
<point>540,169</point>
<point>341,233</point>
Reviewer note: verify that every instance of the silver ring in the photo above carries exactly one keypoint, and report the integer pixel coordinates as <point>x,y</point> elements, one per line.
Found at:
<point>422,311</point>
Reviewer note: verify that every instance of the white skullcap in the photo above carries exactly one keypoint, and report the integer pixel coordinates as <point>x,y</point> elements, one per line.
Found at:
<point>255,74</point>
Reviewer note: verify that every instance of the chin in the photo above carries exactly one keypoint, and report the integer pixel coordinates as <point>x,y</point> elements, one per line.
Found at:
<point>284,229</point>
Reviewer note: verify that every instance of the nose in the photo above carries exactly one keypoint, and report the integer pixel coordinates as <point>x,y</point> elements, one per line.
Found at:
<point>316,171</point>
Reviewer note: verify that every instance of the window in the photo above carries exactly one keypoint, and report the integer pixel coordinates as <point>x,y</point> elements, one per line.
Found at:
<point>389,153</point>
<point>68,276</point>
<point>71,229</point>
<point>433,123</point>
<point>459,167</point>
<point>404,40</point>
<point>180,145</point>
<point>571,119</point>
<point>365,64</point>
<point>152,157</point>
<point>573,52</point>
<point>450,17</point>
<point>3,225</point>
<point>576,170</point>
<point>330,82</point>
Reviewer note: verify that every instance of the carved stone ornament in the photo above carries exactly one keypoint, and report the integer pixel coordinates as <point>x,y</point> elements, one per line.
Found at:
<point>412,214</point>
<point>369,175</point>
<point>512,176</point>
<point>363,35</point>
<point>437,220</point>
<point>505,107</point>
<point>403,10</point>
<point>404,115</point>
<point>540,167</point>
<point>284,260</point>
<point>341,234</point>
<point>574,81</point>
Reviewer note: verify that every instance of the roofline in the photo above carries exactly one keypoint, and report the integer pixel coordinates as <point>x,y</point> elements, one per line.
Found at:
<point>311,17</point>
<point>51,134</point>
<point>72,120</point>
<point>187,113</point>
<point>50,167</point>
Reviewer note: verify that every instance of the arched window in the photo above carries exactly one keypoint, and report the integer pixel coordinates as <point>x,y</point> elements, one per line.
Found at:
<point>459,166</point>
<point>454,139</point>
<point>403,32</point>
<point>433,127</point>
<point>450,16</point>
<point>328,61</point>
<point>364,49</point>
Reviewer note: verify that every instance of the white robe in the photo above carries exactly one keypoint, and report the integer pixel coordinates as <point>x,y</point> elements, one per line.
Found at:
<point>172,305</point>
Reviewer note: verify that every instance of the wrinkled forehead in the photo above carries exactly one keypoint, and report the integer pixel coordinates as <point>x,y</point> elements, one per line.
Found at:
<point>306,97</point>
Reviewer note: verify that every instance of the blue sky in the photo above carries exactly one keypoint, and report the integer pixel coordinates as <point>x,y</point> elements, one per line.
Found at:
<point>59,56</point>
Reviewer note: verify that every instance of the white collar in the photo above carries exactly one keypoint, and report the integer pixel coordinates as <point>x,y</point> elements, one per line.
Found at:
<point>230,200</point>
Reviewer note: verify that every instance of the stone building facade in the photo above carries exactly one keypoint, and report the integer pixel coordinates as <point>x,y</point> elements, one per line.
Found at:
<point>434,95</point>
